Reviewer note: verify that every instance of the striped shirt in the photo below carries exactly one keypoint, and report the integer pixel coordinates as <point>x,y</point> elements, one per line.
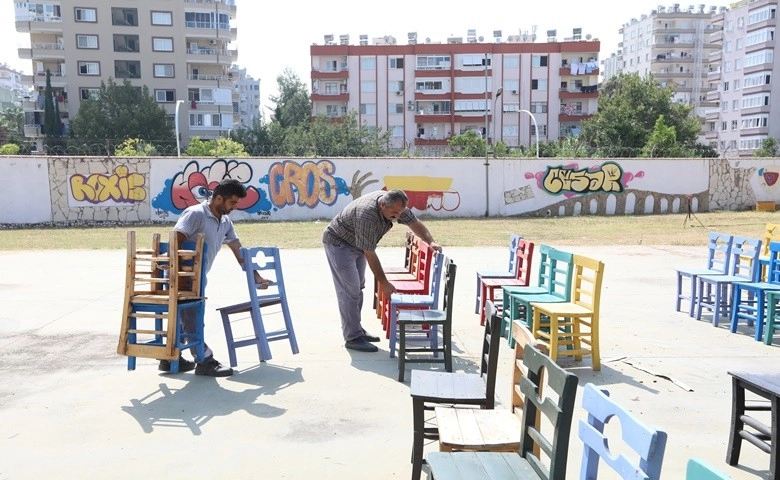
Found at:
<point>361,224</point>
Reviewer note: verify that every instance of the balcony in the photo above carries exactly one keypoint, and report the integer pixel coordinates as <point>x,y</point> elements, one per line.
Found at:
<point>325,96</point>
<point>330,74</point>
<point>421,142</point>
<point>675,57</point>
<point>208,77</point>
<point>573,116</point>
<point>57,79</point>
<point>590,91</point>
<point>195,25</point>
<point>43,51</point>
<point>211,55</point>
<point>38,23</point>
<point>716,37</point>
<point>231,4</point>
<point>32,131</point>
<point>579,69</point>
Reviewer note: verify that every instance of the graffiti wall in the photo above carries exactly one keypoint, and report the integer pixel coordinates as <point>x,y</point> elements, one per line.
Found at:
<point>123,189</point>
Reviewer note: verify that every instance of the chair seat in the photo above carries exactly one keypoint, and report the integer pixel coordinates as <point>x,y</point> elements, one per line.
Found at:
<point>538,298</point>
<point>497,430</point>
<point>411,299</point>
<point>500,282</point>
<point>409,285</point>
<point>424,316</point>
<point>448,387</point>
<point>483,465</point>
<point>757,285</point>
<point>699,271</point>
<point>722,278</point>
<point>563,309</point>
<point>495,274</point>
<point>512,289</point>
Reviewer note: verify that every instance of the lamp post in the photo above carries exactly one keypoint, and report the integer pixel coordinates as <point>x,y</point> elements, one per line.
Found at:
<point>176,122</point>
<point>536,129</point>
<point>495,101</point>
<point>487,157</point>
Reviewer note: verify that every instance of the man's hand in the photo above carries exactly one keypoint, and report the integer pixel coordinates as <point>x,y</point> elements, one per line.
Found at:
<point>435,246</point>
<point>261,282</point>
<point>387,288</point>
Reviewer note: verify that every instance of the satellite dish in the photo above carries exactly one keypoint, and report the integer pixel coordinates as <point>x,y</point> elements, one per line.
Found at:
<point>481,38</point>
<point>588,36</point>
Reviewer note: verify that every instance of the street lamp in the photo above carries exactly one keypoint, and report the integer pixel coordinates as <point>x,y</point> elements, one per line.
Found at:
<point>536,128</point>
<point>487,157</point>
<point>495,100</point>
<point>176,122</point>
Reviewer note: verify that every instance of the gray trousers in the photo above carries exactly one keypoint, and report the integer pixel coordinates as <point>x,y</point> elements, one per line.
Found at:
<point>348,268</point>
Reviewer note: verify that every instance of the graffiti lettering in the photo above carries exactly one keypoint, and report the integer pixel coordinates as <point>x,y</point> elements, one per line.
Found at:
<point>607,178</point>
<point>122,186</point>
<point>313,183</point>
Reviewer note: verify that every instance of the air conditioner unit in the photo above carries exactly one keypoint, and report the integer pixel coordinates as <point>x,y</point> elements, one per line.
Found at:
<point>514,92</point>
<point>399,93</point>
<point>212,42</point>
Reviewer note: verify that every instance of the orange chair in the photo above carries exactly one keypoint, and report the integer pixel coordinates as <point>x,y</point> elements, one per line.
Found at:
<point>421,285</point>
<point>488,286</point>
<point>409,267</point>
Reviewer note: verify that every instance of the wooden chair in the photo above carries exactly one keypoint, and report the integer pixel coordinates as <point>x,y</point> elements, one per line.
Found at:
<point>698,470</point>
<point>557,409</point>
<point>161,282</point>
<point>488,286</point>
<point>772,311</point>
<point>557,280</point>
<point>752,299</point>
<point>420,286</point>
<point>509,272</point>
<point>430,388</point>
<point>426,322</point>
<point>743,267</point>
<point>407,269</point>
<point>647,444</point>
<point>497,430</point>
<point>573,324</point>
<point>718,259</point>
<point>771,234</point>
<point>541,287</point>
<point>266,262</point>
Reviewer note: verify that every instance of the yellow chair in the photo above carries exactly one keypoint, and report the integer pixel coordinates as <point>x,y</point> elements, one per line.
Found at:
<point>771,234</point>
<point>573,324</point>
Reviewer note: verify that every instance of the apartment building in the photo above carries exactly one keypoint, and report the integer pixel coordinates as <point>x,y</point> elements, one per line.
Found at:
<point>246,97</point>
<point>178,48</point>
<point>744,69</point>
<point>671,44</point>
<point>514,89</point>
<point>12,91</point>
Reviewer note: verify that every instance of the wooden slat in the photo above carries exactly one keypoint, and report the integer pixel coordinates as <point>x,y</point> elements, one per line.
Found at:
<point>150,351</point>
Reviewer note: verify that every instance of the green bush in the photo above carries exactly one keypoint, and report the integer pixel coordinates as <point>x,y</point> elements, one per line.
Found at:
<point>9,149</point>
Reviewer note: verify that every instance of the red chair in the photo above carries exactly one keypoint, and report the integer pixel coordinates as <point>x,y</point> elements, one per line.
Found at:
<point>409,267</point>
<point>488,286</point>
<point>421,285</point>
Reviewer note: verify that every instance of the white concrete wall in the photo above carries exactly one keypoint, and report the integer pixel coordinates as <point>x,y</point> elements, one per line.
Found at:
<point>125,189</point>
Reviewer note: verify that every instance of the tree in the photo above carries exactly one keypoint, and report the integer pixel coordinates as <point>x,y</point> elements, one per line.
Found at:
<point>292,107</point>
<point>120,112</point>
<point>219,147</point>
<point>256,139</point>
<point>51,121</point>
<point>325,137</point>
<point>663,142</point>
<point>467,144</point>
<point>768,148</point>
<point>135,147</point>
<point>628,108</point>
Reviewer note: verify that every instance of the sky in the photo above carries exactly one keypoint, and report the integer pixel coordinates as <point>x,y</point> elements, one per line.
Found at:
<point>275,35</point>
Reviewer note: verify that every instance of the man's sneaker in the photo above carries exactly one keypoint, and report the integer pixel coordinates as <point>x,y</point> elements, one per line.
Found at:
<point>184,365</point>
<point>369,337</point>
<point>212,368</point>
<point>360,344</point>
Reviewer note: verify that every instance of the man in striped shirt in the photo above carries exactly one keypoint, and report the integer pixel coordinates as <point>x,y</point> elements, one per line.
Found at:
<point>350,241</point>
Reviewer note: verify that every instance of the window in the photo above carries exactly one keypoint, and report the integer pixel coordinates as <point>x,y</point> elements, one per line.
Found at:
<point>162,18</point>
<point>511,61</point>
<point>127,17</point>
<point>540,84</point>
<point>86,41</point>
<point>397,62</point>
<point>368,108</point>
<point>736,84</point>
<point>89,93</point>
<point>367,86</point>
<point>538,107</point>
<point>127,69</point>
<point>473,60</point>
<point>726,86</point>
<point>89,68</point>
<point>734,124</point>
<point>723,126</point>
<point>397,131</point>
<point>127,43</point>
<point>42,12</point>
<point>542,130</point>
<point>163,70</point>
<point>162,44</point>
<point>435,62</point>
<point>395,86</point>
<point>86,14</point>
<point>735,104</point>
<point>165,96</point>
<point>429,85</point>
<point>395,108</point>
<point>538,60</point>
<point>367,63</point>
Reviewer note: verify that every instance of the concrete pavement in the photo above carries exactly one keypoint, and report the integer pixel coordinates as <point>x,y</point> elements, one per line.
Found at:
<point>70,409</point>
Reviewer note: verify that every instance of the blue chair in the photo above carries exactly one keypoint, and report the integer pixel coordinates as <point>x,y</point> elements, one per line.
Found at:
<point>718,258</point>
<point>510,272</point>
<point>266,262</point>
<point>749,301</point>
<point>416,301</point>
<point>713,291</point>
<point>698,470</point>
<point>648,443</point>
<point>161,282</point>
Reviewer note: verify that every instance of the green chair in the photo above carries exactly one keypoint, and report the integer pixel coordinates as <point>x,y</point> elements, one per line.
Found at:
<point>545,265</point>
<point>698,470</point>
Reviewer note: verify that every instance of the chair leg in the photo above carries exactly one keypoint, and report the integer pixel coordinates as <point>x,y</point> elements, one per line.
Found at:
<point>401,353</point>
<point>392,330</point>
<point>760,305</point>
<point>446,341</point>
<point>433,339</point>
<point>477,302</point>
<point>769,331</point>
<point>694,295</point>
<point>231,346</point>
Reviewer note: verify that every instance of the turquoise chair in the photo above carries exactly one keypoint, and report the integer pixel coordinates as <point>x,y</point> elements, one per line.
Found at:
<point>750,299</point>
<point>713,291</point>
<point>718,258</point>
<point>698,470</point>
<point>545,265</point>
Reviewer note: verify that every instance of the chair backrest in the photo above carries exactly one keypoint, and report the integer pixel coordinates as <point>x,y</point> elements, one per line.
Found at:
<point>558,412</point>
<point>773,275</point>
<point>450,269</point>
<point>524,259</point>
<point>545,265</point>
<point>424,263</point>
<point>265,261</point>
<point>522,336</point>
<point>698,470</point>
<point>560,274</point>
<point>410,240</point>
<point>771,234</point>
<point>719,251</point>
<point>586,286</point>
<point>744,258</point>
<point>514,240</point>
<point>185,269</point>
<point>648,443</point>
<point>489,357</point>
<point>439,259</point>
